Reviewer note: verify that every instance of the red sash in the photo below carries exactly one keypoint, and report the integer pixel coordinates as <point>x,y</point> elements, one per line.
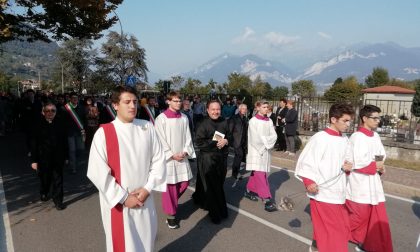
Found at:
<point>113,153</point>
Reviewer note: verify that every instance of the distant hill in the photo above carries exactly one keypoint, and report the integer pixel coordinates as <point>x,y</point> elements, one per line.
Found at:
<point>26,59</point>
<point>402,63</point>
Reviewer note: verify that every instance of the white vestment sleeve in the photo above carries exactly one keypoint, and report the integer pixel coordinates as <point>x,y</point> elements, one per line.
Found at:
<point>157,171</point>
<point>270,140</point>
<point>308,163</point>
<point>189,146</point>
<point>160,126</point>
<point>100,173</point>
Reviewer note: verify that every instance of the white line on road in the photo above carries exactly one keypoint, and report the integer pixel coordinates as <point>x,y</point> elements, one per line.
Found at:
<point>6,240</point>
<point>267,223</point>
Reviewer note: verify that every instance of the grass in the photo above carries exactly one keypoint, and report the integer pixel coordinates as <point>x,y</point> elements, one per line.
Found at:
<point>415,166</point>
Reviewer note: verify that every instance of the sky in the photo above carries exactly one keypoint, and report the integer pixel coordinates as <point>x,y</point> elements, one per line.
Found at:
<point>181,35</point>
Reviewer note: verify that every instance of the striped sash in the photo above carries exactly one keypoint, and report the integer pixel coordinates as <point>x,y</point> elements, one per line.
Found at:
<point>112,113</point>
<point>70,109</point>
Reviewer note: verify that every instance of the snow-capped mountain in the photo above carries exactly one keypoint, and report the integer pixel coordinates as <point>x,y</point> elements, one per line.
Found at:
<point>220,67</point>
<point>359,60</point>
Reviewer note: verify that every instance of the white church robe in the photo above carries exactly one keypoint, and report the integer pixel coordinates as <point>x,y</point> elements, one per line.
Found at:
<point>261,139</point>
<point>142,164</point>
<point>175,136</point>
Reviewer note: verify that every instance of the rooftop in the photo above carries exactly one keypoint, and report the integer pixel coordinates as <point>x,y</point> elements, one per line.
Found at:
<point>389,90</point>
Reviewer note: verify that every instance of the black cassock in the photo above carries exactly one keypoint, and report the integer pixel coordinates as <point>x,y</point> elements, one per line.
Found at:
<point>211,168</point>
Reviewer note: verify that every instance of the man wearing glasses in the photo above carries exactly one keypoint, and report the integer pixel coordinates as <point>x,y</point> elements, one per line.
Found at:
<point>49,151</point>
<point>365,195</point>
<point>173,130</point>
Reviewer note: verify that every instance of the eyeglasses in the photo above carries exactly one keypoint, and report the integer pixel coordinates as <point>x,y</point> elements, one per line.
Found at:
<point>374,118</point>
<point>50,111</point>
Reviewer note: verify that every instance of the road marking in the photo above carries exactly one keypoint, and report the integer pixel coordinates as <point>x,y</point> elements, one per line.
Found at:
<point>386,194</point>
<point>6,240</point>
<point>266,223</point>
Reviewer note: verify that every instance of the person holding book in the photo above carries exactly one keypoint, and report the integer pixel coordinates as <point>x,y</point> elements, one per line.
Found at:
<point>212,139</point>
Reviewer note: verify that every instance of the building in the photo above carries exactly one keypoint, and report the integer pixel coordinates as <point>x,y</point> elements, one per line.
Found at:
<point>392,100</point>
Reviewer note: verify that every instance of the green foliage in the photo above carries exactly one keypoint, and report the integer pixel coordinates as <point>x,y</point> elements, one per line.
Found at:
<point>176,82</point>
<point>379,77</point>
<point>238,84</point>
<point>42,19</point>
<point>415,107</point>
<point>280,92</point>
<point>123,57</point>
<point>261,89</point>
<point>304,88</point>
<point>338,81</point>
<point>76,56</point>
<point>191,86</point>
<point>347,90</point>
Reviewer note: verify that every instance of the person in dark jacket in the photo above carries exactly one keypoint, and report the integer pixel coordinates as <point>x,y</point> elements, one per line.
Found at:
<point>49,152</point>
<point>238,126</point>
<point>291,126</point>
<point>280,115</point>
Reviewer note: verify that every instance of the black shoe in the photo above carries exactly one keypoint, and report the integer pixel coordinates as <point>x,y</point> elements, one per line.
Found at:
<point>172,223</point>
<point>44,197</point>
<point>251,196</point>
<point>60,206</point>
<point>270,206</point>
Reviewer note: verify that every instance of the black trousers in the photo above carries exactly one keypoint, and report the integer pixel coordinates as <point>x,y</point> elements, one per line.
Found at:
<point>51,181</point>
<point>281,139</point>
<point>239,157</point>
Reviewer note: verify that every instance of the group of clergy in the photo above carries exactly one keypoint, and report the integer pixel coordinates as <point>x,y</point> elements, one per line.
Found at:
<point>130,157</point>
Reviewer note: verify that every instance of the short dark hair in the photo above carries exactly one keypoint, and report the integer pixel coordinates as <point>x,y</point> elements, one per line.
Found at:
<point>73,94</point>
<point>118,90</point>
<point>283,100</point>
<point>367,111</point>
<point>337,110</point>
<point>172,95</point>
<point>212,101</point>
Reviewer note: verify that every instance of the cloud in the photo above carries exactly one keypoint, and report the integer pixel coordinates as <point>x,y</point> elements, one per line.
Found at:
<point>277,39</point>
<point>324,35</point>
<point>247,35</point>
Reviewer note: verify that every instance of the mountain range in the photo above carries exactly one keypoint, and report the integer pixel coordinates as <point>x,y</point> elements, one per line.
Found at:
<point>401,62</point>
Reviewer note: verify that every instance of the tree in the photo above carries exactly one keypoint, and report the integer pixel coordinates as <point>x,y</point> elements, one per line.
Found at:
<point>123,57</point>
<point>303,88</point>
<point>238,84</point>
<point>280,92</point>
<point>415,106</point>
<point>40,19</point>
<point>77,57</point>
<point>261,88</point>
<point>338,81</point>
<point>191,86</point>
<point>177,81</point>
<point>379,77</point>
<point>348,90</point>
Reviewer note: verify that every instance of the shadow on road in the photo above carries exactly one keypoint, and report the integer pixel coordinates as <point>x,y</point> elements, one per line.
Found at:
<point>21,183</point>
<point>416,206</point>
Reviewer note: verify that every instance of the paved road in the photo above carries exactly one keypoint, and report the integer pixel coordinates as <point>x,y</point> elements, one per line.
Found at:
<point>37,226</point>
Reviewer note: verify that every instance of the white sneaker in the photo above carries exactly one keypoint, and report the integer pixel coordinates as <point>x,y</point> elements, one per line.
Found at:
<point>312,249</point>
<point>358,248</point>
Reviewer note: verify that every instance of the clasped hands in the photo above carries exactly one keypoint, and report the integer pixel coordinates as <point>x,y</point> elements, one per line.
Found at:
<point>136,198</point>
<point>179,156</point>
<point>380,167</point>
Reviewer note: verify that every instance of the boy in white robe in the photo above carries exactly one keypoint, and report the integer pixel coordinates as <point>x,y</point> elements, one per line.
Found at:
<point>261,139</point>
<point>173,130</point>
<point>126,163</point>
<point>321,167</point>
<point>365,195</point>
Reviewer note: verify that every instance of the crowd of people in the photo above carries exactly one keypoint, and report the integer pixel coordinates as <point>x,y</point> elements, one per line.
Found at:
<point>137,145</point>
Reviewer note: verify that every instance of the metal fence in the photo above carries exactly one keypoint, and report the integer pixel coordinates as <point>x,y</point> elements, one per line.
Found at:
<point>397,122</point>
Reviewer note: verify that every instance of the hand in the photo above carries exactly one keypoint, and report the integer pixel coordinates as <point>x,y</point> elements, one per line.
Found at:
<point>379,165</point>
<point>132,201</point>
<point>221,143</point>
<point>34,166</point>
<point>178,157</point>
<point>348,166</point>
<point>278,117</point>
<point>312,188</point>
<point>141,194</point>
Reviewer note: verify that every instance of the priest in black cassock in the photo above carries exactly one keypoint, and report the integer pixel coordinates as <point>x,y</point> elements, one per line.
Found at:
<point>212,139</point>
